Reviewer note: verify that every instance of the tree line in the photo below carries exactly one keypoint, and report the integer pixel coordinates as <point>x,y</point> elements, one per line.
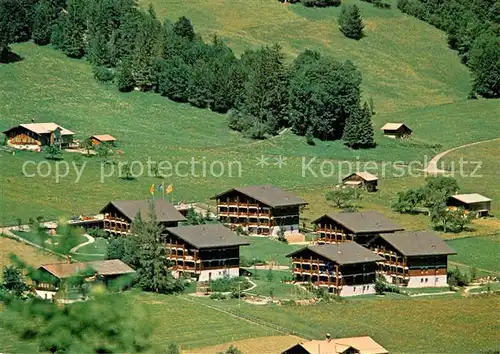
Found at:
<point>473,28</point>
<point>315,96</point>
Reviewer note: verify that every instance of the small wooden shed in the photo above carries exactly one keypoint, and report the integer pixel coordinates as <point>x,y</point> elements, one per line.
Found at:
<point>104,138</point>
<point>473,202</point>
<point>396,130</point>
<point>363,180</point>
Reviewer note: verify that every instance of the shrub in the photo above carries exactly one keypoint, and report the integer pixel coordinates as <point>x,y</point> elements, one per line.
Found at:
<point>456,278</point>
<point>227,284</point>
<point>218,296</point>
<point>98,233</point>
<point>381,287</point>
<point>103,74</point>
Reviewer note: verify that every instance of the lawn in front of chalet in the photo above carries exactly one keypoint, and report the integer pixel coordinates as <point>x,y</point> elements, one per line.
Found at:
<point>480,252</point>
<point>401,324</point>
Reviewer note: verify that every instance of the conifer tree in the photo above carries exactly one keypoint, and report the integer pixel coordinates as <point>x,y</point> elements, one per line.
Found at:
<point>75,29</point>
<point>366,139</point>
<point>45,15</point>
<point>184,29</point>
<point>352,132</point>
<point>351,23</point>
<point>124,78</point>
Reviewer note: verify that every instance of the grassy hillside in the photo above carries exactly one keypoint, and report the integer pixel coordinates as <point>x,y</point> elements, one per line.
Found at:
<point>411,75</point>
<point>405,62</point>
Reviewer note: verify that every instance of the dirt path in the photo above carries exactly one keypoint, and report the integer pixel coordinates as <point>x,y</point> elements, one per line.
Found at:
<point>90,240</point>
<point>432,168</point>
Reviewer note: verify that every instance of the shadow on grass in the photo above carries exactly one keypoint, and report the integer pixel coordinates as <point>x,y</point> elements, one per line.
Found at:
<point>10,57</point>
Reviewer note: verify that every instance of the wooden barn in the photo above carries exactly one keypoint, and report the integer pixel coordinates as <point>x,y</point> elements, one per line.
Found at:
<point>413,259</point>
<point>473,203</point>
<point>104,138</point>
<point>345,269</point>
<point>364,180</point>
<point>360,227</point>
<point>119,214</point>
<point>353,345</point>
<point>39,134</point>
<point>396,130</point>
<point>260,209</point>
<point>206,252</point>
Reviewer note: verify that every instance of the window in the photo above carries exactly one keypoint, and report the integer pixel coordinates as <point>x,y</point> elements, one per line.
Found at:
<point>354,289</point>
<point>426,279</point>
<point>421,280</point>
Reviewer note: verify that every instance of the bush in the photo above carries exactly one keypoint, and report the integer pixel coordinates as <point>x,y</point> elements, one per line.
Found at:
<point>456,278</point>
<point>218,296</point>
<point>227,284</point>
<point>381,286</point>
<point>103,74</point>
<point>97,233</point>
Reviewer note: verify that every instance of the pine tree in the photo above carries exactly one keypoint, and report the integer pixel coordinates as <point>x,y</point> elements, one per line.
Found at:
<point>98,52</point>
<point>146,50</point>
<point>184,29</point>
<point>152,272</point>
<point>173,79</point>
<point>366,128</point>
<point>351,23</point>
<point>352,130</point>
<point>75,29</point>
<point>124,78</point>
<point>45,15</point>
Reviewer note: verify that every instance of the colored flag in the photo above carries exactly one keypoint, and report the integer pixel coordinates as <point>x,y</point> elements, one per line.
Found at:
<point>160,187</point>
<point>152,189</point>
<point>169,189</point>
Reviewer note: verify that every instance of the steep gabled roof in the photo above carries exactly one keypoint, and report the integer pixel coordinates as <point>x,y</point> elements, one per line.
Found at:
<point>370,221</point>
<point>108,267</point>
<point>420,243</point>
<point>364,175</point>
<point>165,211</point>
<point>394,126</point>
<point>267,194</point>
<point>471,198</point>
<point>342,253</point>
<point>43,128</point>
<point>207,236</point>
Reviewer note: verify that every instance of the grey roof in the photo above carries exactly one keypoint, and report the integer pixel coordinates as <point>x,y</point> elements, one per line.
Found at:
<point>342,253</point>
<point>269,195</point>
<point>207,236</point>
<point>165,211</point>
<point>363,222</point>
<point>420,243</point>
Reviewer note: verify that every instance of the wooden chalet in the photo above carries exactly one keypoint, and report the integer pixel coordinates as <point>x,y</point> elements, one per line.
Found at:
<point>360,227</point>
<point>39,134</point>
<point>51,277</point>
<point>473,203</point>
<point>207,252</point>
<point>104,138</point>
<point>396,130</point>
<point>413,259</point>
<point>344,269</point>
<point>354,345</point>
<point>119,214</point>
<point>364,180</point>
<point>261,210</point>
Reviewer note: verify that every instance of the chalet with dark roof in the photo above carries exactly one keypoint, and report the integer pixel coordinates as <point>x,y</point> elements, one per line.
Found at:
<point>261,210</point>
<point>206,252</point>
<point>360,227</point>
<point>413,259</point>
<point>119,214</point>
<point>344,269</point>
